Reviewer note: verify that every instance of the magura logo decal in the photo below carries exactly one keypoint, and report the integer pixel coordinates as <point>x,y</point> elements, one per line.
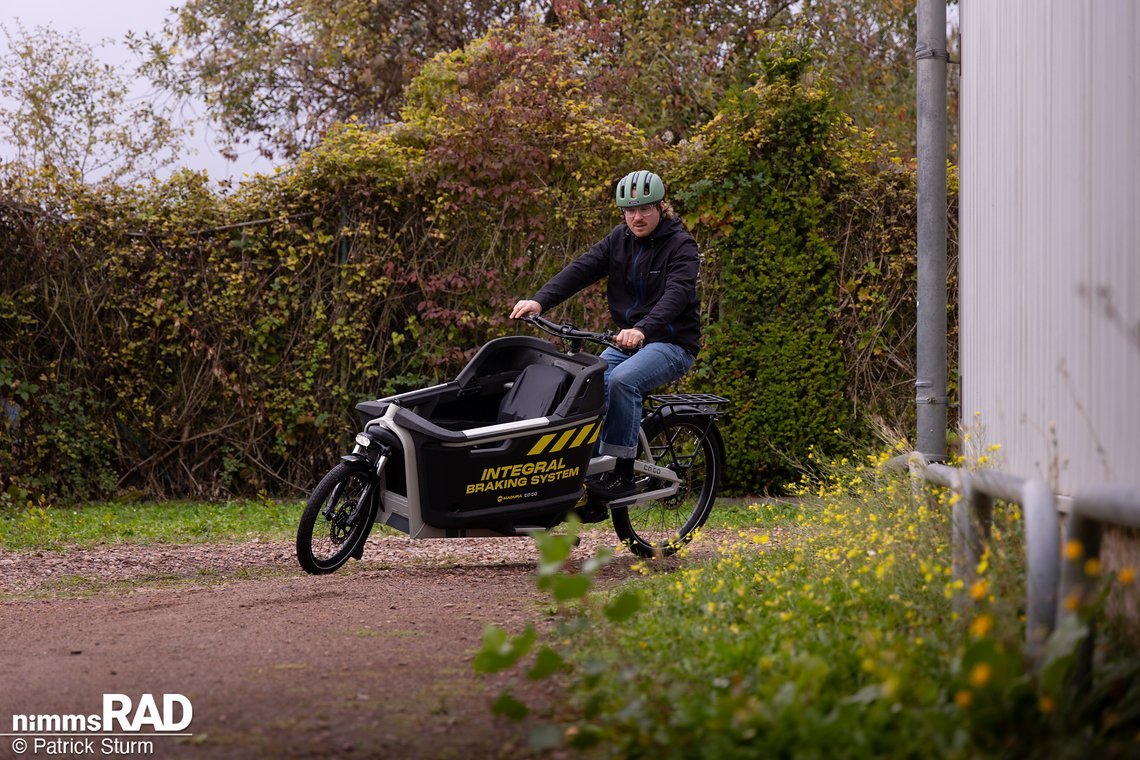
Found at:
<point>558,441</point>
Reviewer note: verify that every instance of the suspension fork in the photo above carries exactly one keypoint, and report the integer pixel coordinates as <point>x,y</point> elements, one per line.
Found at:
<point>385,453</point>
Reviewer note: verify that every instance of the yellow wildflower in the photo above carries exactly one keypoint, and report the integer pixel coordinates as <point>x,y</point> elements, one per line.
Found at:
<point>981,626</point>
<point>1074,549</point>
<point>963,698</point>
<point>980,675</point>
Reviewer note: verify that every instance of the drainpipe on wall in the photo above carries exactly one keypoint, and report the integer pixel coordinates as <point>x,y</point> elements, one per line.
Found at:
<point>930,384</point>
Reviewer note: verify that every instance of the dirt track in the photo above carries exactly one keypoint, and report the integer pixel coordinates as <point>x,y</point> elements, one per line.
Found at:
<point>373,661</point>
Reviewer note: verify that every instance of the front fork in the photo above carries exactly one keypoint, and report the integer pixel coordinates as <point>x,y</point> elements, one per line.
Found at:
<point>359,454</point>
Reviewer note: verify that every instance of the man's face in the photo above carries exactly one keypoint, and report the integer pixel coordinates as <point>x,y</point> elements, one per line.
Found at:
<point>642,219</point>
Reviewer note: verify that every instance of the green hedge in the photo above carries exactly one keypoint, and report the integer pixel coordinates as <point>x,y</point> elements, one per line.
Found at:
<point>763,184</point>
<point>177,339</point>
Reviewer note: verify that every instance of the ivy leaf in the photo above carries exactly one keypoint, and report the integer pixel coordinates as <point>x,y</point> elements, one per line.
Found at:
<point>507,705</point>
<point>546,663</point>
<point>499,651</point>
<point>623,606</point>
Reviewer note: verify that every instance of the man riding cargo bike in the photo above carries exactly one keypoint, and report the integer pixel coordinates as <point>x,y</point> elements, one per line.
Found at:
<point>508,447</point>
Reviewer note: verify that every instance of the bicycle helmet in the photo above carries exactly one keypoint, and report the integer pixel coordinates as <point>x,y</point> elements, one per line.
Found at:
<point>639,188</point>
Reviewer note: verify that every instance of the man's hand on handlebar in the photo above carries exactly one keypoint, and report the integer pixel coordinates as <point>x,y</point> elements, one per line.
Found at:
<point>526,309</point>
<point>630,339</point>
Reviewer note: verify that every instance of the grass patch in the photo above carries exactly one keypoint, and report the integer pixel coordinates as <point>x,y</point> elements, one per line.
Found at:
<point>838,638</point>
<point>739,513</point>
<point>45,527</point>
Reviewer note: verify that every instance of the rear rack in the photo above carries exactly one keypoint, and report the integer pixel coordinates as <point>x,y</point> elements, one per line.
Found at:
<point>706,402</point>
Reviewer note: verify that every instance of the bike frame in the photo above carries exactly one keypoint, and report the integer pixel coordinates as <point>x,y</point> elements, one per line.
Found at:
<point>404,509</point>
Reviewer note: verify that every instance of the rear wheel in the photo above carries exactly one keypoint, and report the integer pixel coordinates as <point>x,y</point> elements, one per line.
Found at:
<point>335,518</point>
<point>659,528</point>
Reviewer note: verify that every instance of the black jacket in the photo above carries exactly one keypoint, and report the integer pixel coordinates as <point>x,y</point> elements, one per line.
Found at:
<point>652,282</point>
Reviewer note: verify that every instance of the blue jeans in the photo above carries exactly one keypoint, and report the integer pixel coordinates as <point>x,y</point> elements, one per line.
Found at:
<point>628,378</point>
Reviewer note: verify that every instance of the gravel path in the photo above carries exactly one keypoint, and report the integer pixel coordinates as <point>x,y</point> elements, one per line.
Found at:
<point>372,661</point>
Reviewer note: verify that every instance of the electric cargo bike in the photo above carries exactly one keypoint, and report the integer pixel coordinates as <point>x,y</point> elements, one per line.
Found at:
<point>506,448</point>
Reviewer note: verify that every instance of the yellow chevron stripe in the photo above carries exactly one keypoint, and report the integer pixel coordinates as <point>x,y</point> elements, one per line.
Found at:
<point>582,436</point>
<point>562,441</point>
<point>594,437</point>
<point>543,442</point>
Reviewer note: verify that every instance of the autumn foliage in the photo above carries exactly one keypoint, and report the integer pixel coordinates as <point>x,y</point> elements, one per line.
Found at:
<point>172,338</point>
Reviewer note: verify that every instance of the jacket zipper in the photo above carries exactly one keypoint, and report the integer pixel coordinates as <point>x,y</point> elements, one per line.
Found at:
<point>638,285</point>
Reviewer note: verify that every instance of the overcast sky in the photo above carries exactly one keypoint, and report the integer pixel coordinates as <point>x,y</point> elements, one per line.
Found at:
<point>97,20</point>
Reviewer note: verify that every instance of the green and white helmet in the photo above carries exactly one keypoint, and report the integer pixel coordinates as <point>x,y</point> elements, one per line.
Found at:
<point>639,188</point>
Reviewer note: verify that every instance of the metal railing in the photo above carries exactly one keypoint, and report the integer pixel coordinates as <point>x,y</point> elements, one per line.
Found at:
<point>1059,584</point>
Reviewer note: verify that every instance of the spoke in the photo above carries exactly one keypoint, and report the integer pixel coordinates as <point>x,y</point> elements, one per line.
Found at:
<point>679,449</point>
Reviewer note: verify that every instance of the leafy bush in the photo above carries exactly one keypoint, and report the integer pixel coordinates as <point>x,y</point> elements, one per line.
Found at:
<point>761,184</point>
<point>221,340</point>
<point>835,636</point>
<point>872,227</point>
<point>185,341</point>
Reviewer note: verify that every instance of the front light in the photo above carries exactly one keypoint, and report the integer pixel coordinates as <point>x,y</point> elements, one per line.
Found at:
<point>363,440</point>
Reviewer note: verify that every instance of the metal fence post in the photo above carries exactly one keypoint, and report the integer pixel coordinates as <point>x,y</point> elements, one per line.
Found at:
<point>966,540</point>
<point>1080,570</point>
<point>1043,552</point>
<point>1060,584</point>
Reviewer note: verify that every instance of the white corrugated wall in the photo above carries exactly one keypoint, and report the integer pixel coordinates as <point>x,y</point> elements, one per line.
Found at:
<point>1050,237</point>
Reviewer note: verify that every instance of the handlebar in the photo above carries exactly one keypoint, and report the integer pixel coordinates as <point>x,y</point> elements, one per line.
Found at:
<point>571,333</point>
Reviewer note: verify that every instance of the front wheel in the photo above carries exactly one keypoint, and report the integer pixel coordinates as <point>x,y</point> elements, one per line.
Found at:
<point>335,518</point>
<point>691,448</point>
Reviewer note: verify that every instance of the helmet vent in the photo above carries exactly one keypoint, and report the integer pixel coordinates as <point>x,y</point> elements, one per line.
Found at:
<point>639,188</point>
